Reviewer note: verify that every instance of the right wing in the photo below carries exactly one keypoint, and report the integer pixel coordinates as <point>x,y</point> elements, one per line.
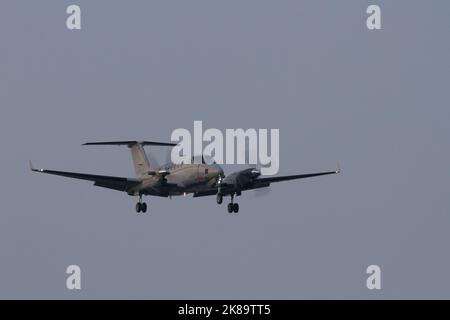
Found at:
<point>115,183</point>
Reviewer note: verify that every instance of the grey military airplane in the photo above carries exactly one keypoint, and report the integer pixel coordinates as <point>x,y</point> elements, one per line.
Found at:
<point>169,180</point>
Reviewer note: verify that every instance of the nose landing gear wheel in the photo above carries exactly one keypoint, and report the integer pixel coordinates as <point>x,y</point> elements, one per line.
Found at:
<point>141,206</point>
<point>219,198</point>
<point>230,208</point>
<point>236,208</point>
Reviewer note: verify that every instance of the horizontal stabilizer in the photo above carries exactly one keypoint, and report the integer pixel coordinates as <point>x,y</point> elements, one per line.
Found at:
<point>129,143</point>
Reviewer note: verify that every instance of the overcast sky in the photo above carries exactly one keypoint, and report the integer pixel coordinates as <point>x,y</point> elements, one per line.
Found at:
<point>376,101</point>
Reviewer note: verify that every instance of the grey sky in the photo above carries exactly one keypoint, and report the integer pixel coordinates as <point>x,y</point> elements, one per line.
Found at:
<point>377,102</point>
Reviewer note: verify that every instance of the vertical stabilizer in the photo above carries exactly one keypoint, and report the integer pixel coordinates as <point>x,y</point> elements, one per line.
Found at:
<point>140,161</point>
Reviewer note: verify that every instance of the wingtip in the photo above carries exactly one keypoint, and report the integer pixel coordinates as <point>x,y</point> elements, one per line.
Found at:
<point>33,168</point>
<point>30,164</point>
<point>338,168</point>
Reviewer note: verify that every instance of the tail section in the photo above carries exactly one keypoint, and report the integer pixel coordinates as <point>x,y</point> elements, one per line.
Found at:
<point>141,164</point>
<point>140,161</point>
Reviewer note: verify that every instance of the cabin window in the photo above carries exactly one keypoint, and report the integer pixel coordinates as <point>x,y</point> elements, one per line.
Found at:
<point>206,171</point>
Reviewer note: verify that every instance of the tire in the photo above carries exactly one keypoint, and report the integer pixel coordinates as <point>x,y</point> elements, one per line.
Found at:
<point>219,199</point>
<point>138,207</point>
<point>236,208</point>
<point>143,207</point>
<point>230,208</point>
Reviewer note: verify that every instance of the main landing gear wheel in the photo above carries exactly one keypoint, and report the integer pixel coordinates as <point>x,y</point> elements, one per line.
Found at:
<point>219,198</point>
<point>141,206</point>
<point>233,207</point>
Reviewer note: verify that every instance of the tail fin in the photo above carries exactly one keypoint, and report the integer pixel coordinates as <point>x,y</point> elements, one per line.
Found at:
<point>140,161</point>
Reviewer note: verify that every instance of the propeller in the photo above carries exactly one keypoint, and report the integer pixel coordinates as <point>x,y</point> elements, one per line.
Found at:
<point>261,192</point>
<point>168,156</point>
<point>241,180</point>
<point>219,184</point>
<point>152,159</point>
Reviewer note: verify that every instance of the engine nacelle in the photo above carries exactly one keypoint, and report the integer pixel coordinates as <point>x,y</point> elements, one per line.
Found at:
<point>242,178</point>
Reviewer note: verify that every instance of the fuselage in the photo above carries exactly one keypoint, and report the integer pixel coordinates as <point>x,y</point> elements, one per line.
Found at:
<point>180,179</point>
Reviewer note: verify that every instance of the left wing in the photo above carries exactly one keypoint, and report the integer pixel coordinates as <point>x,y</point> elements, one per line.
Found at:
<point>250,179</point>
<point>296,176</point>
<point>110,182</point>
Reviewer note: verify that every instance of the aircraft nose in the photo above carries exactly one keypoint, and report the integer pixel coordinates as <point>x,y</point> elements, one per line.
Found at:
<point>218,171</point>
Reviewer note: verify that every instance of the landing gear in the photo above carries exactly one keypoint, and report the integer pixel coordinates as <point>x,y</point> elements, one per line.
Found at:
<point>219,198</point>
<point>233,207</point>
<point>141,206</point>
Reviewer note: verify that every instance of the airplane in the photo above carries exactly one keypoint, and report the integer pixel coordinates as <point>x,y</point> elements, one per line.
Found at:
<point>171,179</point>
